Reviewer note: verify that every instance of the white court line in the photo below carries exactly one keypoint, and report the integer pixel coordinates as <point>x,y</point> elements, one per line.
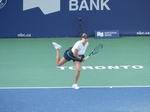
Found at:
<point>71,87</point>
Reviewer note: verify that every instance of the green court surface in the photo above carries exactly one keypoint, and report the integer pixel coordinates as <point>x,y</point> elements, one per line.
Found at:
<point>30,62</point>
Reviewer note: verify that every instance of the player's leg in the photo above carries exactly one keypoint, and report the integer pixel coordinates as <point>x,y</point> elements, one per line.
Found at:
<point>59,61</point>
<point>77,75</point>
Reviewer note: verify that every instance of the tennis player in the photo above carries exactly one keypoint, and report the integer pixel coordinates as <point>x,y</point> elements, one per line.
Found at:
<point>75,53</point>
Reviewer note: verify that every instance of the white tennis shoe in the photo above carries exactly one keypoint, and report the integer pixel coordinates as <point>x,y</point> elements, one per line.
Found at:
<point>57,46</point>
<point>75,86</point>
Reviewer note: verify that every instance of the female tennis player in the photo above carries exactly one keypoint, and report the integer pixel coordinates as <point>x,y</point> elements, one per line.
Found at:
<point>75,53</point>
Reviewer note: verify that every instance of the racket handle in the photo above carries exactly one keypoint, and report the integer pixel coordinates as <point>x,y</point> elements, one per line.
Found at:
<point>87,57</point>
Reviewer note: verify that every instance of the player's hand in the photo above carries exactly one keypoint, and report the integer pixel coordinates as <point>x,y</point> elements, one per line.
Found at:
<point>84,60</point>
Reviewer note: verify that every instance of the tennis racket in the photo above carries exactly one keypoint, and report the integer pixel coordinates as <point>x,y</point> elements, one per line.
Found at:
<point>95,50</point>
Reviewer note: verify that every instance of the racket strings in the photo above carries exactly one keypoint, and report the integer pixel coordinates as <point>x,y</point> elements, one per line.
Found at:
<point>98,48</point>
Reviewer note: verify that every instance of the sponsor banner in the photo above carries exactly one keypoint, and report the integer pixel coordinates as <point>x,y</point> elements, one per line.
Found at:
<point>106,34</point>
<point>143,33</point>
<point>59,18</point>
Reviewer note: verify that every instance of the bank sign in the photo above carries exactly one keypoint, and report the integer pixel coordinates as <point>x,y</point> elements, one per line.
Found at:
<point>52,6</point>
<point>107,34</point>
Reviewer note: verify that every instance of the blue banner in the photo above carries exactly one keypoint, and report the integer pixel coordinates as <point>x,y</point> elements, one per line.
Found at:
<point>59,18</point>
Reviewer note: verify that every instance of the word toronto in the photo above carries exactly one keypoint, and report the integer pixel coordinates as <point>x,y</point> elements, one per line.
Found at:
<point>102,67</point>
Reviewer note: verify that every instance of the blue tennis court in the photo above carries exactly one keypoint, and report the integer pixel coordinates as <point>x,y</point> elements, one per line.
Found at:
<point>30,81</point>
<point>96,99</point>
